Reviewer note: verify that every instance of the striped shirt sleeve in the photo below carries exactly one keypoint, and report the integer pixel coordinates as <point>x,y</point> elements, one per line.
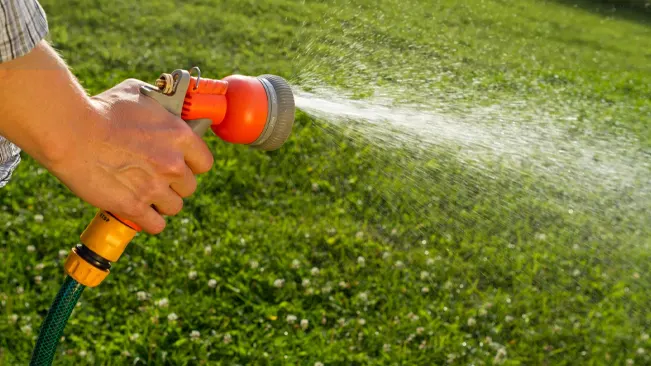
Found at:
<point>23,25</point>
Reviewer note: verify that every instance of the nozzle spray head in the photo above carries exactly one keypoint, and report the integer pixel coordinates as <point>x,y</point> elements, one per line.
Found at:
<point>260,112</point>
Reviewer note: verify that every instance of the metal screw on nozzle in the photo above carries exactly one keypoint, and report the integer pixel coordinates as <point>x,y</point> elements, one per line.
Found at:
<point>165,83</point>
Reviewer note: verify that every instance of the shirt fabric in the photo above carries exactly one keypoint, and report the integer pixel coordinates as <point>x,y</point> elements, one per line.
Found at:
<point>23,25</point>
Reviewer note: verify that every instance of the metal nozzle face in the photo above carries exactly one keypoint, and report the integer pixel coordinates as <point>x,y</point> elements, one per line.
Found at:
<point>280,119</point>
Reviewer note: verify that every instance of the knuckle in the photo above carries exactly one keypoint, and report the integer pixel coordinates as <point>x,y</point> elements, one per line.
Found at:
<point>176,167</point>
<point>156,191</point>
<point>134,208</point>
<point>145,194</point>
<point>184,133</point>
<point>132,83</point>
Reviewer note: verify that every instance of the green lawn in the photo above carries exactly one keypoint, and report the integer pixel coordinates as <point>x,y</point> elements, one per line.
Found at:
<point>393,256</point>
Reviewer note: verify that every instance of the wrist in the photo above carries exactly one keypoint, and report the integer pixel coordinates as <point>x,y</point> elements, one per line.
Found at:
<point>74,132</point>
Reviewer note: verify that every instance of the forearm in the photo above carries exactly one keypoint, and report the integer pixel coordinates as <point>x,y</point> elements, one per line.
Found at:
<point>43,108</point>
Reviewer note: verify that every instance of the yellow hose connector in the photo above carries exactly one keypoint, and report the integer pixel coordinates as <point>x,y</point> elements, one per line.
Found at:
<point>105,237</point>
<point>82,271</point>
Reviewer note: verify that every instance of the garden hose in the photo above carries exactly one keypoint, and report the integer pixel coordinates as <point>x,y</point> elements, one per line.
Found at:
<point>55,322</point>
<point>239,109</point>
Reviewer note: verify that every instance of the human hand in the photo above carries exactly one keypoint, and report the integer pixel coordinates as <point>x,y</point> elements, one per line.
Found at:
<point>129,154</point>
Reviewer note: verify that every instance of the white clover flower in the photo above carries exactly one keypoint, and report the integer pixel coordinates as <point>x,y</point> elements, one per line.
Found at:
<point>424,275</point>
<point>134,337</point>
<point>314,271</point>
<point>279,283</point>
<point>212,283</point>
<point>363,296</point>
<point>31,248</point>
<point>576,273</point>
<point>326,289</point>
<point>39,266</point>
<point>27,329</point>
<point>420,330</point>
<point>192,275</point>
<point>400,264</point>
<point>38,218</point>
<point>361,321</point>
<point>13,318</point>
<point>318,363</point>
<point>291,319</point>
<point>82,353</point>
<point>359,235</point>
<point>254,264</point>
<point>425,290</point>
<point>304,324</point>
<point>162,303</point>
<point>640,351</point>
<point>227,338</point>
<point>471,322</point>
<point>20,290</point>
<point>38,279</point>
<point>500,356</point>
<point>630,362</point>
<point>386,255</point>
<point>386,347</point>
<point>483,312</point>
<point>296,264</point>
<point>207,250</point>
<point>305,283</point>
<point>195,334</point>
<point>184,221</point>
<point>343,284</point>
<point>172,317</point>
<point>361,261</point>
<point>142,295</point>
<point>429,261</point>
<point>644,337</point>
<point>509,318</point>
<point>63,253</point>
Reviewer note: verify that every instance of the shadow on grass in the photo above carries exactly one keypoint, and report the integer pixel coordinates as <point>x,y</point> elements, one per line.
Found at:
<point>634,10</point>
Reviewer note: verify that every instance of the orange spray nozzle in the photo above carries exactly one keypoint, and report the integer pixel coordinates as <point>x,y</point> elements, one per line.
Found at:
<point>257,111</point>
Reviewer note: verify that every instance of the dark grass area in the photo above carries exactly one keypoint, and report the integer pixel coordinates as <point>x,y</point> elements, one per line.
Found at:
<point>635,10</point>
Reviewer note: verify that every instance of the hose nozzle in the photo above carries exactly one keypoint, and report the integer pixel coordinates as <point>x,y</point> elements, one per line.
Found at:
<point>254,111</point>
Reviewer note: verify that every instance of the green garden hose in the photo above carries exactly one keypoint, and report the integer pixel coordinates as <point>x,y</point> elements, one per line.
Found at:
<point>55,322</point>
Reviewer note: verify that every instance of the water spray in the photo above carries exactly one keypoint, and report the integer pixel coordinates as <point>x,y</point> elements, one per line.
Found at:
<point>255,111</point>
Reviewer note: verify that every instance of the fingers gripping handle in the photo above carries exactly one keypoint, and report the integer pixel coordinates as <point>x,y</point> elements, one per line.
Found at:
<point>108,235</point>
